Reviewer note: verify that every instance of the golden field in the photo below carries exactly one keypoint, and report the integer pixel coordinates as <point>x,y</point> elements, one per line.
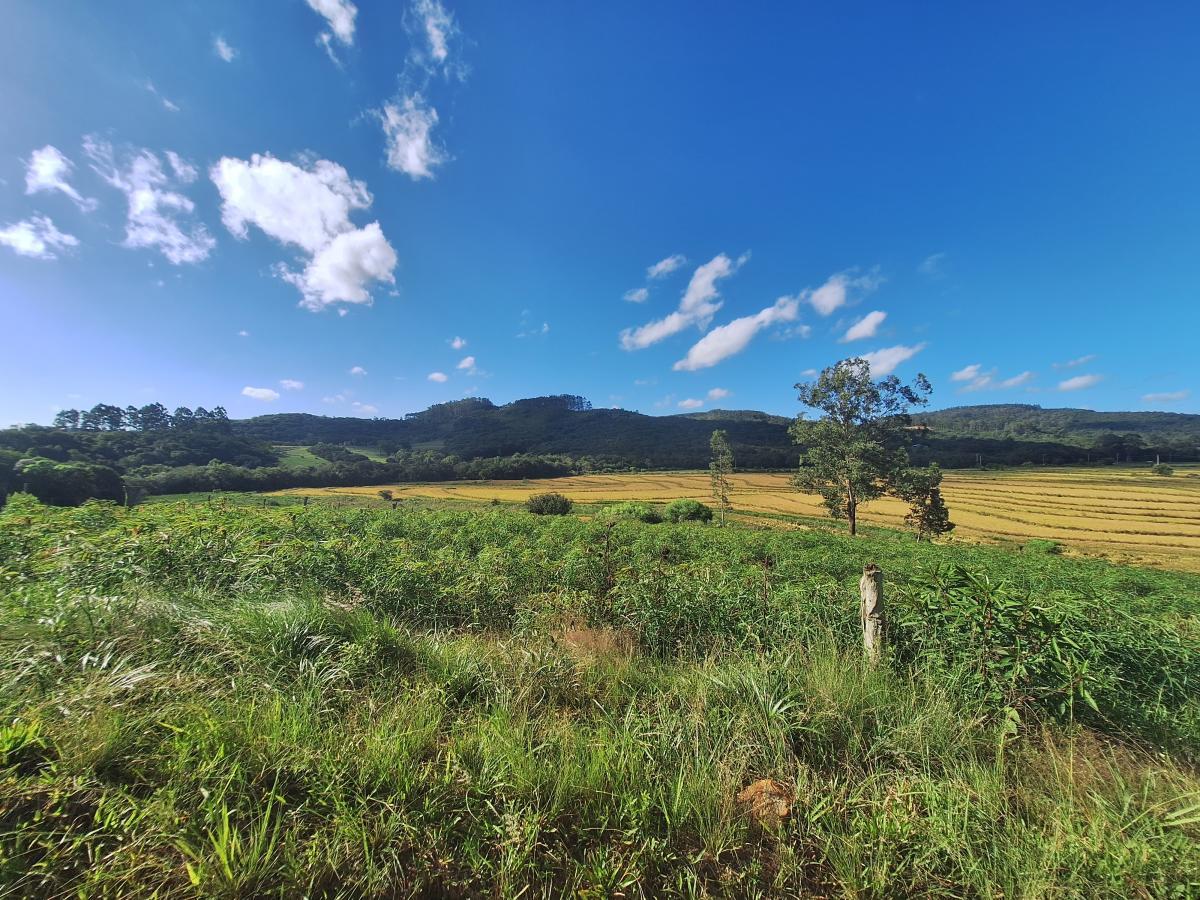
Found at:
<point>1126,515</point>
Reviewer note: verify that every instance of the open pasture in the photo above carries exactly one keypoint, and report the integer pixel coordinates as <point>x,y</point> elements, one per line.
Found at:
<point>1123,514</point>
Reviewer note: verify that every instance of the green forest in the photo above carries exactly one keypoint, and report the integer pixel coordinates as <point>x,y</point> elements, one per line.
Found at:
<point>126,453</point>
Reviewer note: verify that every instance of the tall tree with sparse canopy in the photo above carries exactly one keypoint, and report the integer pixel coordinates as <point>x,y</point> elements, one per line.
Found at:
<point>719,471</point>
<point>856,451</point>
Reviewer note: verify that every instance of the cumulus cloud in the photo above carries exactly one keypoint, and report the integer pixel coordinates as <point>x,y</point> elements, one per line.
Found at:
<point>458,343</point>
<point>1079,382</point>
<point>438,377</point>
<point>36,237</point>
<point>1073,363</point>
<point>718,394</point>
<point>866,327</point>
<point>1016,380</point>
<point>357,370</point>
<point>260,393</point>
<point>701,300</point>
<point>339,15</point>
<point>48,170</point>
<point>222,49</point>
<point>155,207</point>
<point>665,267</point>
<point>734,337</point>
<point>836,290</point>
<point>243,333</point>
<point>637,295</point>
<point>467,363</point>
<point>1166,397</point>
<point>690,403</point>
<point>367,409</point>
<point>407,128</point>
<point>885,360</point>
<point>977,380</point>
<point>308,208</point>
<point>291,384</point>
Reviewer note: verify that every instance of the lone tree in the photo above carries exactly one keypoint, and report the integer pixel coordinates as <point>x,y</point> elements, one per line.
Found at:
<point>719,471</point>
<point>856,451</point>
<point>921,489</point>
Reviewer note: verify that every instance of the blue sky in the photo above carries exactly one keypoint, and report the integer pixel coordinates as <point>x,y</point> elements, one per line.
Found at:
<point>364,209</point>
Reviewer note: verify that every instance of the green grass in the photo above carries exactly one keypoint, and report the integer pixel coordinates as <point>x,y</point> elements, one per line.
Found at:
<point>296,458</point>
<point>216,700</point>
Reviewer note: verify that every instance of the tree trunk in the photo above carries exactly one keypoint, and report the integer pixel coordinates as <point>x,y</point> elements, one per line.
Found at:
<point>852,516</point>
<point>870,590</point>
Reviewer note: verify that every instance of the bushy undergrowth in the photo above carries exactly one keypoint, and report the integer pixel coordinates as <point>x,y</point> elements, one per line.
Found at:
<point>211,700</point>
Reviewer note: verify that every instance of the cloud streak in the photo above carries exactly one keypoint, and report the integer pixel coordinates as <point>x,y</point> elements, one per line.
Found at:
<point>700,302</point>
<point>732,338</point>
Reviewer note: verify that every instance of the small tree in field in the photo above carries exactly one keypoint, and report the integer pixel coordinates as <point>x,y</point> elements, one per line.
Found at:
<point>921,489</point>
<point>386,494</point>
<point>550,504</point>
<point>719,471</point>
<point>856,450</point>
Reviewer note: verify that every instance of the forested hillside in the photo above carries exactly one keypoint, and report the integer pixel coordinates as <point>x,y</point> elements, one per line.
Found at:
<point>103,451</point>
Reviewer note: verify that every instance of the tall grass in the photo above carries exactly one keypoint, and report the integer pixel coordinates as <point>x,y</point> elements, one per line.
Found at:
<point>219,701</point>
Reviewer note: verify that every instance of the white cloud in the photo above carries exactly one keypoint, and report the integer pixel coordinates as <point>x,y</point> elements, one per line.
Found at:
<point>967,373</point>
<point>866,327</point>
<point>310,209</point>
<point>1072,363</point>
<point>439,27</point>
<point>932,265</point>
<point>732,338</point>
<point>438,377</point>
<point>665,267</point>
<point>700,302</point>
<point>407,129</point>
<point>885,360</point>
<point>243,333</point>
<point>366,409</point>
<point>257,393</point>
<point>48,170</point>
<point>718,394</point>
<point>1166,397</point>
<point>183,169</point>
<point>36,237</point>
<point>835,292</point>
<point>458,343</point>
<point>1016,380</point>
<point>637,295</point>
<point>291,384</point>
<point>810,373</point>
<point>222,49</point>
<point>535,332</point>
<point>468,363</point>
<point>339,15</point>
<point>358,370</point>
<point>690,403</point>
<point>1079,382</point>
<point>167,104</point>
<point>154,208</point>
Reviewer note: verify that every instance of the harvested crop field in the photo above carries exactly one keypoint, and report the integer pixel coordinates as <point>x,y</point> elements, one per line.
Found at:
<point>1126,515</point>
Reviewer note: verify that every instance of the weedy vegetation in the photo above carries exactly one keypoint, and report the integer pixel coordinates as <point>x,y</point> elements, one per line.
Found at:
<point>213,699</point>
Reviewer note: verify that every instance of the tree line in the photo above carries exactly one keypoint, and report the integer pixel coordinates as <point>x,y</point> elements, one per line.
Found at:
<point>151,417</point>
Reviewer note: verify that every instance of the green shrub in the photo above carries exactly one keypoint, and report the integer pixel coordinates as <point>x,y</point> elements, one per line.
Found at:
<point>641,512</point>
<point>550,504</point>
<point>1052,548</point>
<point>1162,469</point>
<point>688,511</point>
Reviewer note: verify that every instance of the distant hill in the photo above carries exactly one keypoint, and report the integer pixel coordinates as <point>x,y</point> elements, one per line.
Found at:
<point>1079,427</point>
<point>544,425</point>
<point>537,437</point>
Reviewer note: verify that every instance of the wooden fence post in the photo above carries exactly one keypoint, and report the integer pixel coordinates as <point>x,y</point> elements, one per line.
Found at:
<point>870,590</point>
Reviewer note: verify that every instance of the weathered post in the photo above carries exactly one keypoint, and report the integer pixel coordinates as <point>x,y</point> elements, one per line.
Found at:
<point>870,590</point>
